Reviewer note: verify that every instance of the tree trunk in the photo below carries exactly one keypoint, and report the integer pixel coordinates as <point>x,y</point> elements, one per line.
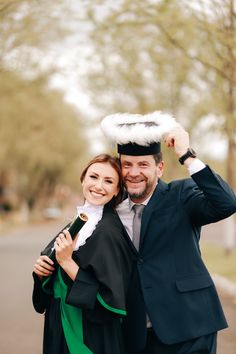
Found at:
<point>231,119</point>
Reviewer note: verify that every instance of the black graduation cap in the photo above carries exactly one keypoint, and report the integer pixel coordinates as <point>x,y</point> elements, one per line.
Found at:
<point>138,150</point>
<point>137,134</point>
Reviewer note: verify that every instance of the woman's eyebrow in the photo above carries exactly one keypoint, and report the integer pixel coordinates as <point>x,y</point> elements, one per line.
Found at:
<point>94,173</point>
<point>110,177</point>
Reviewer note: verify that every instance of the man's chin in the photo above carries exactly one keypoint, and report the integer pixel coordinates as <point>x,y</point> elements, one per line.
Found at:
<point>136,194</point>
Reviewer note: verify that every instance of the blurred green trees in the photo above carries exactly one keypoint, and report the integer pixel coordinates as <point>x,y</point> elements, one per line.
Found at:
<point>40,135</point>
<point>40,138</point>
<point>171,55</point>
<point>136,56</point>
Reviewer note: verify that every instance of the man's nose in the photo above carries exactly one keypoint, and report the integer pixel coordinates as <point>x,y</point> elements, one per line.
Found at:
<point>134,171</point>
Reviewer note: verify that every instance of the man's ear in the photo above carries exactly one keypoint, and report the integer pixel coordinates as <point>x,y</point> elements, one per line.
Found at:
<point>160,168</point>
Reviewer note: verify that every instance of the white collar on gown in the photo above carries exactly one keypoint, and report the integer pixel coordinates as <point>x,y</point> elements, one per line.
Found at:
<point>94,214</point>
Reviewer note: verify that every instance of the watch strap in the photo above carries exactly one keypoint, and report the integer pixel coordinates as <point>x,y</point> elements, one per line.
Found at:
<point>190,153</point>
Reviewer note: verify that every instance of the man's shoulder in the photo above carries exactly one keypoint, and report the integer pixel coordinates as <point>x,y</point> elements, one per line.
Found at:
<point>174,187</point>
<point>177,183</point>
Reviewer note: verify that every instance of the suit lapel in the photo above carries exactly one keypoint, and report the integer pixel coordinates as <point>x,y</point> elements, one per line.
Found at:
<point>154,203</point>
<point>129,241</point>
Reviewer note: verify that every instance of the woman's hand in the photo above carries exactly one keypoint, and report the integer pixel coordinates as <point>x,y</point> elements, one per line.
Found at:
<point>43,267</point>
<point>64,247</point>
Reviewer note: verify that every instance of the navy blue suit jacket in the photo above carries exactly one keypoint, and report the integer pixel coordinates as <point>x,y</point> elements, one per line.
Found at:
<point>173,285</point>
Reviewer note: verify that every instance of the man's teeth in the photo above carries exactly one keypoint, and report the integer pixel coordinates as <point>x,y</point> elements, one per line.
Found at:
<point>136,181</point>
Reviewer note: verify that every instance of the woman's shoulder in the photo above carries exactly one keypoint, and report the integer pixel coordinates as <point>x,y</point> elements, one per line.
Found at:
<point>110,226</point>
<point>110,218</point>
<point>108,236</point>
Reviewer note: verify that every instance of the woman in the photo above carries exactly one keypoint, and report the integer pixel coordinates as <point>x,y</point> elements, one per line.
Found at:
<point>84,294</point>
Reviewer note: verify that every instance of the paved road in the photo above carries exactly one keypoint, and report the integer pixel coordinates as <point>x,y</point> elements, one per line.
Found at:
<point>20,327</point>
<point>227,337</point>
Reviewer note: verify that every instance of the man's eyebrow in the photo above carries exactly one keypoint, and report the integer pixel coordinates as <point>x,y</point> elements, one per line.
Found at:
<point>139,162</point>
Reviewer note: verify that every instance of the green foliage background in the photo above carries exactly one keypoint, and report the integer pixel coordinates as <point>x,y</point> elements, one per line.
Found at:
<point>133,56</point>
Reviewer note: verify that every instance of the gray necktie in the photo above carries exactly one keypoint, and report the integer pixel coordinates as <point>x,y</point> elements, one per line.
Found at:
<point>138,210</point>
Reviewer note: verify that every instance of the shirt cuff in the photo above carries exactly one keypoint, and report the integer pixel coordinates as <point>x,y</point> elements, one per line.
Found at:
<point>196,166</point>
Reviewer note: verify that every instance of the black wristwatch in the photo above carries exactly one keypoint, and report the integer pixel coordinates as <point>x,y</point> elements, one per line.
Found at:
<point>190,153</point>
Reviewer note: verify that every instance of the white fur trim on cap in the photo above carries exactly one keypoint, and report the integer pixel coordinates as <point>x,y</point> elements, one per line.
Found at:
<point>124,128</point>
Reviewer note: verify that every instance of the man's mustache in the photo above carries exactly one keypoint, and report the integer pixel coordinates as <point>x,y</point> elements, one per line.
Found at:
<point>135,180</point>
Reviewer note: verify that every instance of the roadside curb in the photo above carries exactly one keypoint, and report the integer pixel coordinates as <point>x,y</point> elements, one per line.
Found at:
<point>225,284</point>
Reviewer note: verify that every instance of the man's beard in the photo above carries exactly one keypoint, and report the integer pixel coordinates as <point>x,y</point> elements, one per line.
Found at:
<point>140,194</point>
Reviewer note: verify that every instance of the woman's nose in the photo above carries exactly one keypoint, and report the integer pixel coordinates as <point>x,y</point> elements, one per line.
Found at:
<point>99,185</point>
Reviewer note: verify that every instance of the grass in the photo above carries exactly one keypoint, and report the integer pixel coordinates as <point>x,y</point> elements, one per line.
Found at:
<point>218,261</point>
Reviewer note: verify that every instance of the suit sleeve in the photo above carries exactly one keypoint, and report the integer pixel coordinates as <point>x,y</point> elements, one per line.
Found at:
<point>104,272</point>
<point>209,199</point>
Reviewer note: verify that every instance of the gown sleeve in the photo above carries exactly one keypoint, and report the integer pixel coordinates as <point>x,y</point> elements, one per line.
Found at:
<point>105,265</point>
<point>40,297</point>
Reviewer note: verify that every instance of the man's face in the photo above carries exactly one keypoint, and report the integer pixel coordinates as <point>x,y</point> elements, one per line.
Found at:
<point>140,174</point>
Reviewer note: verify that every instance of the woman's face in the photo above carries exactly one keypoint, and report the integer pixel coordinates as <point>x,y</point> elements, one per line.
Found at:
<point>100,183</point>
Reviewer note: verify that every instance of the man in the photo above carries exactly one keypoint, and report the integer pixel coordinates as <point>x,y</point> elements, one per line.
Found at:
<point>173,307</point>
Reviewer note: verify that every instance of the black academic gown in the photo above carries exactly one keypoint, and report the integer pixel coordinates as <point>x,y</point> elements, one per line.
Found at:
<point>96,299</point>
